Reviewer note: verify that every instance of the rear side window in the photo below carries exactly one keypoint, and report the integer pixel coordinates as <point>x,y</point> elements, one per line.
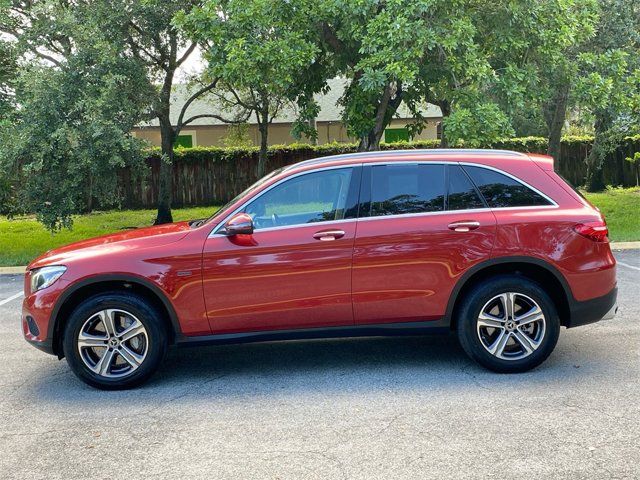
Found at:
<point>499,190</point>
<point>401,189</point>
<point>462,194</point>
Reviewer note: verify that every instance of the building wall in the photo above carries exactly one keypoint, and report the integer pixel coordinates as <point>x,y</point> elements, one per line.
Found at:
<point>279,133</point>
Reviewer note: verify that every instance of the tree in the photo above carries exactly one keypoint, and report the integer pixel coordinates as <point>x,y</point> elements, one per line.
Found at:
<point>8,73</point>
<point>259,50</point>
<point>77,105</point>
<point>608,81</point>
<point>457,55</point>
<point>140,32</point>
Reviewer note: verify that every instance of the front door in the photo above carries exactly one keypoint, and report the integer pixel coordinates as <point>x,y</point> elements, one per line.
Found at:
<point>415,238</point>
<point>295,270</point>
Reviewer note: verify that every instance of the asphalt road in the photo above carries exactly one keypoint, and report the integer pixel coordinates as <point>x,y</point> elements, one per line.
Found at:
<point>366,409</point>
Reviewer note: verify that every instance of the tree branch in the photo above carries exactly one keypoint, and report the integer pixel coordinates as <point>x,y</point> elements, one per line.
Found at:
<point>49,58</point>
<point>186,54</point>
<point>243,104</point>
<point>193,97</point>
<point>212,115</point>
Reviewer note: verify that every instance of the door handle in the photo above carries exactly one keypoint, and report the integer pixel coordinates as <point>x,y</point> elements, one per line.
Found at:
<point>464,226</point>
<point>328,235</point>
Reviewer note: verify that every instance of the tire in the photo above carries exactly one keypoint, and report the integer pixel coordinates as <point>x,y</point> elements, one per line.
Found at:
<point>503,341</point>
<point>125,329</point>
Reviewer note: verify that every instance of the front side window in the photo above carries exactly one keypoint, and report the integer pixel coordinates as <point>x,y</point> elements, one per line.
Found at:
<point>500,190</point>
<point>308,198</point>
<point>402,189</point>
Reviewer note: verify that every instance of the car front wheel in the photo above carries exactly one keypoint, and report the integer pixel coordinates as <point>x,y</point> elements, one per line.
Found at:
<point>115,340</point>
<point>508,324</point>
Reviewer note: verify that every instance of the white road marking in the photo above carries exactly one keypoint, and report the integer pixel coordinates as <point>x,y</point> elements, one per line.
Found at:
<point>12,297</point>
<point>629,266</point>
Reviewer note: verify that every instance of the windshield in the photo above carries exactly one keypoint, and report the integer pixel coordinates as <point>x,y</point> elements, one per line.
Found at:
<point>223,211</point>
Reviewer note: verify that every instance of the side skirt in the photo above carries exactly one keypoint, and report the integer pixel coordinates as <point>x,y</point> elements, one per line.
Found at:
<point>377,330</point>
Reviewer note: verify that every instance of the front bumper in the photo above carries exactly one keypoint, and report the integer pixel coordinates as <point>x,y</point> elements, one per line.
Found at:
<point>593,310</point>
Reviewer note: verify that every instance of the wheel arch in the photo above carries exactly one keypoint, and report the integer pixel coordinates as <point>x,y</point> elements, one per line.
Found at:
<point>81,290</point>
<point>532,268</point>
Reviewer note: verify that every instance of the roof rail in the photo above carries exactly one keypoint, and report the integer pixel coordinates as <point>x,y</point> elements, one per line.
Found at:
<point>418,151</point>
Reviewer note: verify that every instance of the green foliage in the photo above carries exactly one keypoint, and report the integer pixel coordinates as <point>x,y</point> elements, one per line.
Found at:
<point>71,133</point>
<point>305,150</point>
<point>635,162</point>
<point>259,50</point>
<point>68,141</point>
<point>608,81</point>
<point>237,136</point>
<point>475,127</point>
<point>8,74</point>
<point>458,55</point>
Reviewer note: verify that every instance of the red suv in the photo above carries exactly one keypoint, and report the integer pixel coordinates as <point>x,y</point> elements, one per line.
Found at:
<point>490,244</point>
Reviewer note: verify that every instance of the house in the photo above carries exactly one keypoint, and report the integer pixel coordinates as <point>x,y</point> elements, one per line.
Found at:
<point>212,132</point>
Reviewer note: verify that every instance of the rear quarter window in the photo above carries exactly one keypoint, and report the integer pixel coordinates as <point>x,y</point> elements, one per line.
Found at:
<point>501,191</point>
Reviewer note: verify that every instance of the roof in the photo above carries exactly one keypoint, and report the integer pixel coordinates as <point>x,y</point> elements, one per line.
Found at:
<point>330,110</point>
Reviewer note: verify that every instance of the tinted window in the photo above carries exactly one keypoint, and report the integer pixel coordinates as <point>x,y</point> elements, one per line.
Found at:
<point>308,198</point>
<point>462,193</point>
<point>502,191</point>
<point>399,189</point>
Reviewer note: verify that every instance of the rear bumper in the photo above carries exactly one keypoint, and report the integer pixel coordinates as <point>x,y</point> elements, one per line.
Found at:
<point>594,310</point>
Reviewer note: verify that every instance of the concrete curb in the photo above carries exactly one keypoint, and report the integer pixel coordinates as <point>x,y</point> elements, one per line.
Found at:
<point>12,270</point>
<point>625,245</point>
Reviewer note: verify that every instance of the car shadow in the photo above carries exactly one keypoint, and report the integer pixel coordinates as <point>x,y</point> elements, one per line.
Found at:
<point>310,367</point>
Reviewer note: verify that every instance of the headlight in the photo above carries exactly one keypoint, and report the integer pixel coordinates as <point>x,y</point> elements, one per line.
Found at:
<point>45,277</point>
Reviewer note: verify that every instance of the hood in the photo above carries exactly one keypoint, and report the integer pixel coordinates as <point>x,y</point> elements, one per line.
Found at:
<point>116,242</point>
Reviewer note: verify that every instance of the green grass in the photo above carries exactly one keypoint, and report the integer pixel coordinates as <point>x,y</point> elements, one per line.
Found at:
<point>23,238</point>
<point>621,208</point>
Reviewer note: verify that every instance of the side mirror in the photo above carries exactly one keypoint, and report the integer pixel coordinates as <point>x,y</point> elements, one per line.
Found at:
<point>239,224</point>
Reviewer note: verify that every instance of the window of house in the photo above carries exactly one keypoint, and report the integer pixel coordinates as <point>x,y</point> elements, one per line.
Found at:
<point>184,141</point>
<point>462,195</point>
<point>312,197</point>
<point>400,189</point>
<point>396,135</point>
<point>500,190</point>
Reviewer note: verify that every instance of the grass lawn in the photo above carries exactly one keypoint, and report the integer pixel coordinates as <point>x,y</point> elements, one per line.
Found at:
<point>23,239</point>
<point>621,208</point>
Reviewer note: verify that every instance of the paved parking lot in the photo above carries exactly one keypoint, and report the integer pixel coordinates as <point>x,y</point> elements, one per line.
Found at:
<point>366,409</point>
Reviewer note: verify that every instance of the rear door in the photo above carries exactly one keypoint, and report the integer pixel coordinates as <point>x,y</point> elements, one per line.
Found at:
<point>421,226</point>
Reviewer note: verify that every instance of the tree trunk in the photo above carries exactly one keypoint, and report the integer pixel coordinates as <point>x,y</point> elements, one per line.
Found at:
<point>313,127</point>
<point>595,178</point>
<point>386,108</point>
<point>555,115</point>
<point>165,181</point>
<point>263,126</point>
<point>90,193</point>
<point>445,108</point>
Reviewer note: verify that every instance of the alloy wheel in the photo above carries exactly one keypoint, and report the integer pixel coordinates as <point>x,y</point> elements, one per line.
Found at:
<point>511,326</point>
<point>113,343</point>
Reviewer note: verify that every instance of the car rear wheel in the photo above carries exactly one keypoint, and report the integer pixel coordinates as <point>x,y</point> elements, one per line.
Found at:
<point>115,340</point>
<point>508,324</point>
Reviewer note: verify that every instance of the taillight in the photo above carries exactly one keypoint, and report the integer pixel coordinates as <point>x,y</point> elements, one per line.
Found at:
<point>596,231</point>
